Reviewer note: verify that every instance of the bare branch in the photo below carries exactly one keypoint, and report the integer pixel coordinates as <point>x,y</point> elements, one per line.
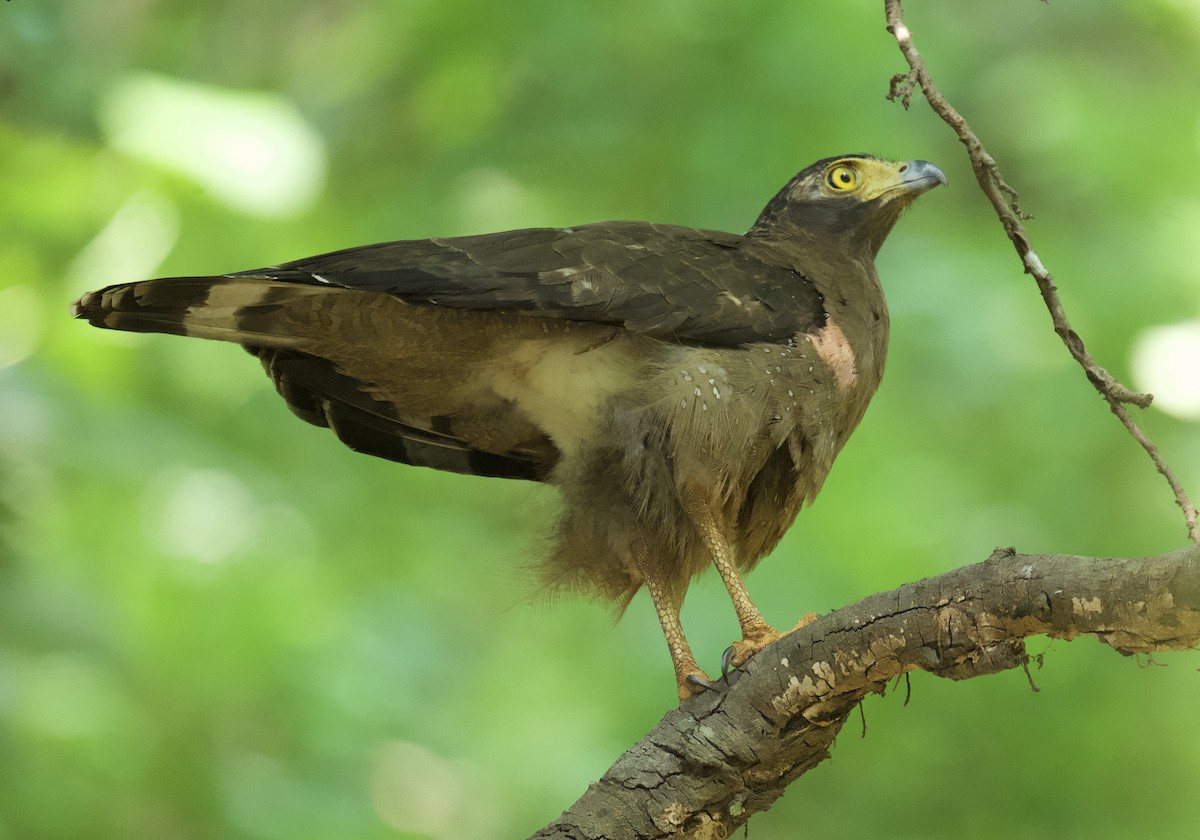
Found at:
<point>723,756</point>
<point>1004,199</point>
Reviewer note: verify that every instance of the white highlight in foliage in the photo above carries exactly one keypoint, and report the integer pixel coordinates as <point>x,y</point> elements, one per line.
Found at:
<point>491,199</point>
<point>204,515</point>
<point>251,150</point>
<point>1166,362</point>
<point>132,246</point>
<point>417,791</point>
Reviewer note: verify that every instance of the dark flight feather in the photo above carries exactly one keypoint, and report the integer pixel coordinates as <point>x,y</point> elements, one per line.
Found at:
<point>318,393</point>
<point>692,286</point>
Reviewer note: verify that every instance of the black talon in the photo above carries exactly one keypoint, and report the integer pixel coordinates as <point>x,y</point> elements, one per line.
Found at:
<point>705,684</point>
<point>727,664</point>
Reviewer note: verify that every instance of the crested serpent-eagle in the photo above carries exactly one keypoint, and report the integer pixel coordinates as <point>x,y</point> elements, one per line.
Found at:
<point>686,390</point>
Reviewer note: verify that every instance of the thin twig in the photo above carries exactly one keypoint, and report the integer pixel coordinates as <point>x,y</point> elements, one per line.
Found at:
<point>1005,200</point>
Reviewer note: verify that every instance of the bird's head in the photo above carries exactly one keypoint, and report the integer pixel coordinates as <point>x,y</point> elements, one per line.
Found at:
<point>852,197</point>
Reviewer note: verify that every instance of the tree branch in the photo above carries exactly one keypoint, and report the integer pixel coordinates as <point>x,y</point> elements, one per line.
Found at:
<point>728,754</point>
<point>1004,199</point>
<point>725,755</point>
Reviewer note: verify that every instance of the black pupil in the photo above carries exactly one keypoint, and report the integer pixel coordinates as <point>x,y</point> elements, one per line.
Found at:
<point>841,177</point>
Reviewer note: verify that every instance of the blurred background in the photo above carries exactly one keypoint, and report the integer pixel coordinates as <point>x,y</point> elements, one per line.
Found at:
<point>216,622</point>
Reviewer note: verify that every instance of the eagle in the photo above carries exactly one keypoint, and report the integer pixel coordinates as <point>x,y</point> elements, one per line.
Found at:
<point>686,390</point>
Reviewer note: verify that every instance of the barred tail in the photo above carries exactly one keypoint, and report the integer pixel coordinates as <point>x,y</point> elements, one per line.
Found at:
<point>244,310</point>
<point>357,362</point>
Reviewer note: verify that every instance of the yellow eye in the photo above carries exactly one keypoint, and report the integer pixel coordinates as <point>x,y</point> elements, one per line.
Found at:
<point>842,178</point>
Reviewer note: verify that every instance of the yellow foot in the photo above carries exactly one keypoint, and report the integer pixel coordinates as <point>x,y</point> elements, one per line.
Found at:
<point>693,683</point>
<point>758,637</point>
<point>754,639</point>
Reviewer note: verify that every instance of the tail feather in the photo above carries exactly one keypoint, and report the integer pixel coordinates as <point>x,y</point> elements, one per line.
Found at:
<point>243,310</point>
<point>356,362</point>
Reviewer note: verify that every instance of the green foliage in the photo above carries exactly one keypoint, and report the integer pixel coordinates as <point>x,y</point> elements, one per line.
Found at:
<point>216,622</point>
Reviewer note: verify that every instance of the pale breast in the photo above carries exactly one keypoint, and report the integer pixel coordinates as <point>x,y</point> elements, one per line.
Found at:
<point>564,380</point>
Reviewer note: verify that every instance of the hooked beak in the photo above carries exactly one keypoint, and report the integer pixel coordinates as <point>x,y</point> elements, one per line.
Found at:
<point>920,176</point>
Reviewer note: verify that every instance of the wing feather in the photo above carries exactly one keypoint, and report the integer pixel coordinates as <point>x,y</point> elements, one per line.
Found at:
<point>693,286</point>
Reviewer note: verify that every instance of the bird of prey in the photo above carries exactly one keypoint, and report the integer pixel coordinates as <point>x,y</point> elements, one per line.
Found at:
<point>686,390</point>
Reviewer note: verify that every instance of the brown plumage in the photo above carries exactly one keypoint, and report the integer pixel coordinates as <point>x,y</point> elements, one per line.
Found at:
<point>686,390</point>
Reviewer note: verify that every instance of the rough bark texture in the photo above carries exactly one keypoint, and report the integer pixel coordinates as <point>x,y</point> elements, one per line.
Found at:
<point>726,755</point>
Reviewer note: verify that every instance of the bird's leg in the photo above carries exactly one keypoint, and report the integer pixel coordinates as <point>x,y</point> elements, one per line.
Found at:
<point>756,633</point>
<point>689,679</point>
